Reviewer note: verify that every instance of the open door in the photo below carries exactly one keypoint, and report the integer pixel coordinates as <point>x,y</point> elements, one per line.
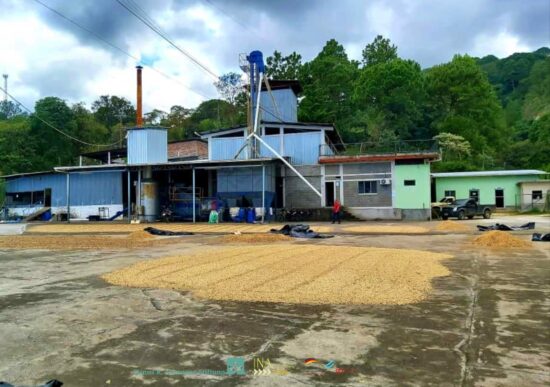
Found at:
<point>329,193</point>
<point>48,197</point>
<point>499,198</point>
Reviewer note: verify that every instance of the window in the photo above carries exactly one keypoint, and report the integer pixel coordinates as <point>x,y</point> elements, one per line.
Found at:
<point>451,193</point>
<point>271,131</point>
<point>367,187</point>
<point>536,195</point>
<point>410,182</point>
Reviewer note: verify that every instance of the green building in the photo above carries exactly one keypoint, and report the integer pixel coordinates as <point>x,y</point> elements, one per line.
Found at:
<point>498,188</point>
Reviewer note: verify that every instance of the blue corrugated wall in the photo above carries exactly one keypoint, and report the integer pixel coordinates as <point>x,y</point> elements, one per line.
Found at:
<point>86,188</point>
<point>286,103</point>
<point>245,179</point>
<point>302,148</point>
<point>273,141</point>
<point>147,145</point>
<point>226,148</point>
<point>234,183</point>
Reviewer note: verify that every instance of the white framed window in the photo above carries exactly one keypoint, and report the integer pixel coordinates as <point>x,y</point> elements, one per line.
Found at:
<point>367,187</point>
<point>450,193</point>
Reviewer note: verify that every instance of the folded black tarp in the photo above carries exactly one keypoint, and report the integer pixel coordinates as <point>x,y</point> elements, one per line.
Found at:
<point>51,383</point>
<point>503,227</point>
<point>299,231</point>
<point>540,238</point>
<point>156,231</point>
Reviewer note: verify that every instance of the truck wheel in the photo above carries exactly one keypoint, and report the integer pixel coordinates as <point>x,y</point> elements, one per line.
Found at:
<point>470,216</point>
<point>487,214</point>
<point>461,215</point>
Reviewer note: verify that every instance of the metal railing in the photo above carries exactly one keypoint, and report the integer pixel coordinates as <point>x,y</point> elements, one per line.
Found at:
<point>374,148</point>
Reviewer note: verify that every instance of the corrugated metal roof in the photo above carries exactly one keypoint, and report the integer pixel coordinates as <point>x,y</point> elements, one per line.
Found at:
<point>191,163</point>
<point>516,172</point>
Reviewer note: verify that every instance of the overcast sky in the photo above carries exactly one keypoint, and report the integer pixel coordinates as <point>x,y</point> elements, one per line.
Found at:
<point>46,55</point>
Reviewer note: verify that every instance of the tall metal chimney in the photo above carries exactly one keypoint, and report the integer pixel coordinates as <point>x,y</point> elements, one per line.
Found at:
<point>139,108</point>
<point>5,87</point>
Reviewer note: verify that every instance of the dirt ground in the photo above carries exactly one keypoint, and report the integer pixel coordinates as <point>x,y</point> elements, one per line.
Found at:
<point>484,324</point>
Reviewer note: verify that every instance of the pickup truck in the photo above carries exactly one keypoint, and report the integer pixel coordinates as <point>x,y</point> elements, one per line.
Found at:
<point>466,208</point>
<point>437,206</point>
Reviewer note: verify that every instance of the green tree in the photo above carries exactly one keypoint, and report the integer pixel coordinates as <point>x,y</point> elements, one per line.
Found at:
<point>283,67</point>
<point>379,51</point>
<point>393,92</point>
<point>461,101</point>
<point>537,99</point>
<point>154,117</point>
<point>110,110</point>
<point>327,83</point>
<point>216,114</point>
<point>229,86</point>
<point>17,146</point>
<point>177,122</point>
<point>88,129</point>
<point>52,147</point>
<point>453,147</point>
<point>9,109</point>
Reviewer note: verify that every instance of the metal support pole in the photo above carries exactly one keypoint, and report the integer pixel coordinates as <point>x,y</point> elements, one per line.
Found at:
<point>194,220</point>
<point>253,149</point>
<point>138,198</point>
<point>68,198</point>
<point>289,165</point>
<point>129,201</point>
<point>263,193</point>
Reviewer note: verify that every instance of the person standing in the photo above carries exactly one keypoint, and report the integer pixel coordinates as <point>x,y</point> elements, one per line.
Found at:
<point>336,209</point>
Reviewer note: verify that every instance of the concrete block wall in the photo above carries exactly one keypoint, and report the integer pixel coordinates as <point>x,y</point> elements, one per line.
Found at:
<point>353,199</point>
<point>297,193</point>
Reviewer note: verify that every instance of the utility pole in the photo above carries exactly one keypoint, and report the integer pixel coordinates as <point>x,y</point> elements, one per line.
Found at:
<point>5,87</point>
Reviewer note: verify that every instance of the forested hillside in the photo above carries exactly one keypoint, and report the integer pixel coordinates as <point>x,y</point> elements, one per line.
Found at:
<point>487,113</point>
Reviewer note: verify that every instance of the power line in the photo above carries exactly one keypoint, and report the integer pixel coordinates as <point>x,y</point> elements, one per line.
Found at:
<point>53,127</point>
<point>236,21</point>
<point>99,37</point>
<point>166,38</point>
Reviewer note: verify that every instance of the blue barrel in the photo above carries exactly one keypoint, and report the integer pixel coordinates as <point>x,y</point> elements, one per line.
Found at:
<point>242,215</point>
<point>46,215</point>
<point>251,215</point>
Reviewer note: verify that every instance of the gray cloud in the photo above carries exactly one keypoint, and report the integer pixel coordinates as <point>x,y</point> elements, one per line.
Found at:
<point>428,31</point>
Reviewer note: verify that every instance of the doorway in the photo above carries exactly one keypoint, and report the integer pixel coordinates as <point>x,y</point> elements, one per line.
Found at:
<point>329,193</point>
<point>48,197</point>
<point>499,198</point>
<point>474,194</point>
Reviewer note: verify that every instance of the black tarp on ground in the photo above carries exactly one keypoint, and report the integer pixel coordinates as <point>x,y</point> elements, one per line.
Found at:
<point>156,231</point>
<point>299,231</point>
<point>540,238</point>
<point>503,227</point>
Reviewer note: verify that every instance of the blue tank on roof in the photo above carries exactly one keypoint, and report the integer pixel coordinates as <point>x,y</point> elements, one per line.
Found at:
<point>257,58</point>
